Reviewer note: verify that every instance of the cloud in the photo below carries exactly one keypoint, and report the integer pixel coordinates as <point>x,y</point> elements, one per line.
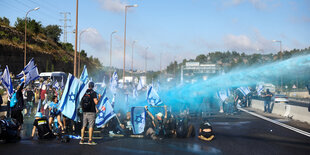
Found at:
<point>94,39</point>
<point>112,5</point>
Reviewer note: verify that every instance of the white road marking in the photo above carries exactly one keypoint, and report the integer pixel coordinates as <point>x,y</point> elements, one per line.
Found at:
<point>276,122</point>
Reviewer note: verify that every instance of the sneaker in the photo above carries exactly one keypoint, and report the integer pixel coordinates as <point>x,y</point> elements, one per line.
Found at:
<point>90,142</point>
<point>81,141</point>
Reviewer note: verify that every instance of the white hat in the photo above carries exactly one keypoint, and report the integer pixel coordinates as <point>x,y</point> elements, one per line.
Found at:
<point>159,114</point>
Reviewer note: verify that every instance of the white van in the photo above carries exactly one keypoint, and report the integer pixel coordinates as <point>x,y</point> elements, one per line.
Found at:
<point>54,76</point>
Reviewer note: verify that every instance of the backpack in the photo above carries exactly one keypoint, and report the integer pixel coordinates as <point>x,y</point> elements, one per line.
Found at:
<point>86,101</point>
<point>13,100</point>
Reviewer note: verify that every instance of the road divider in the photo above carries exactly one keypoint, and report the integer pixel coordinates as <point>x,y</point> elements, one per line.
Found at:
<point>291,111</point>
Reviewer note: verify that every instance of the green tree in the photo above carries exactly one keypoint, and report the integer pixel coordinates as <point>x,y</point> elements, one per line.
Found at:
<point>201,58</point>
<point>32,25</point>
<point>4,21</point>
<point>53,32</point>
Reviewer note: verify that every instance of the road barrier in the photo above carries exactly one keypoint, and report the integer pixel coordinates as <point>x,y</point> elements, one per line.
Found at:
<point>291,111</point>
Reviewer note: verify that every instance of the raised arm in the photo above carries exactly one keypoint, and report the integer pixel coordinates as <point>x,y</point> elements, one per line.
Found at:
<point>147,110</point>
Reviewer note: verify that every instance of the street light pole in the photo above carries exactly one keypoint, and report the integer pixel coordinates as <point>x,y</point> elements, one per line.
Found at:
<point>111,51</point>
<point>79,64</point>
<point>76,36</point>
<point>133,43</point>
<point>127,6</point>
<point>281,57</point>
<point>25,56</point>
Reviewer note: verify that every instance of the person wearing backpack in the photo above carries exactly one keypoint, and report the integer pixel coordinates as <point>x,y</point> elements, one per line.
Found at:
<point>16,110</point>
<point>88,104</point>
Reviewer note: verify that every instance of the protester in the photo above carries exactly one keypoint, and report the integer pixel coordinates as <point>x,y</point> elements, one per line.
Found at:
<point>54,112</point>
<point>41,124</point>
<point>88,104</point>
<point>170,126</point>
<point>158,130</point>
<point>126,125</point>
<point>205,132</point>
<point>16,111</point>
<point>30,101</point>
<point>183,128</point>
<point>267,97</point>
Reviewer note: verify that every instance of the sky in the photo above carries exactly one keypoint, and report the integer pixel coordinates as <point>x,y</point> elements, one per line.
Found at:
<point>173,29</point>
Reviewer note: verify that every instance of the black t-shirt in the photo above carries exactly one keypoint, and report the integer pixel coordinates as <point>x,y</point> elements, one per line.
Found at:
<point>93,95</point>
<point>42,126</point>
<point>30,96</point>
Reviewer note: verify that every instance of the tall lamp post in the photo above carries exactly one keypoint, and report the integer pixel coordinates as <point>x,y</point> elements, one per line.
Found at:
<point>79,65</point>
<point>76,36</point>
<point>111,51</point>
<point>25,56</point>
<point>126,7</point>
<point>281,52</point>
<point>133,43</point>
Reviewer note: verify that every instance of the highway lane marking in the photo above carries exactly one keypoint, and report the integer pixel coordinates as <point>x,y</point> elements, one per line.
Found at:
<point>276,122</point>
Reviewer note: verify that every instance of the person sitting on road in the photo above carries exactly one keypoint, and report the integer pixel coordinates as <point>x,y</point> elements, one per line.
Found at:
<point>170,126</point>
<point>205,132</point>
<point>183,128</point>
<point>54,112</point>
<point>158,130</point>
<point>126,125</point>
<point>41,124</point>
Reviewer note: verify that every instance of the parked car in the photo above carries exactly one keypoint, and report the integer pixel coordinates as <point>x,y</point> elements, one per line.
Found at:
<point>280,98</point>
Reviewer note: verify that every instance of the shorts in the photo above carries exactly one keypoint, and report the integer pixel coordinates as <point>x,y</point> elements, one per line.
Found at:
<point>89,117</point>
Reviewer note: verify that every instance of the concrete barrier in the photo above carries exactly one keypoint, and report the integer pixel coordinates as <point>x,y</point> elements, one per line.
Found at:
<point>295,112</point>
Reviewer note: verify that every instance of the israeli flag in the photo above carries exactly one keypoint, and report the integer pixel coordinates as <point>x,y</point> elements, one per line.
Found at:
<point>113,82</point>
<point>6,81</point>
<point>244,90</point>
<point>56,85</point>
<point>32,75</point>
<point>138,119</point>
<point>140,85</point>
<point>106,112</point>
<point>259,89</point>
<point>26,69</point>
<point>223,94</point>
<point>62,83</point>
<point>84,75</point>
<point>71,97</point>
<point>152,97</point>
<point>134,93</point>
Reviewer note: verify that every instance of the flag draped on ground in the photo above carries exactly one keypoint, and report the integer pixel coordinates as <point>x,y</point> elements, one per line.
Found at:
<point>71,97</point>
<point>152,97</point>
<point>106,112</point>
<point>84,75</point>
<point>244,90</point>
<point>138,119</point>
<point>223,94</point>
<point>26,69</point>
<point>6,81</point>
<point>31,75</point>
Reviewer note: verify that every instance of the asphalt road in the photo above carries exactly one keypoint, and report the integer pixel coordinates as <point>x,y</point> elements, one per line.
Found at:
<point>238,134</point>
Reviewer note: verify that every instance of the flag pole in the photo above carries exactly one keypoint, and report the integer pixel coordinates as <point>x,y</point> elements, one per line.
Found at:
<point>118,119</point>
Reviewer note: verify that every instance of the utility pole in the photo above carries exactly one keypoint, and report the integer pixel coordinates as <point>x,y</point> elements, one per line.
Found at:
<point>65,26</point>
<point>76,36</point>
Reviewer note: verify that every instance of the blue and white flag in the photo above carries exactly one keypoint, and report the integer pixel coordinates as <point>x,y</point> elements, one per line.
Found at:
<point>140,85</point>
<point>259,89</point>
<point>103,82</point>
<point>223,94</point>
<point>84,75</point>
<point>152,97</point>
<point>106,112</point>
<point>56,85</point>
<point>6,81</point>
<point>26,69</point>
<point>113,100</point>
<point>134,93</point>
<point>113,82</point>
<point>244,90</point>
<point>62,85</point>
<point>71,97</point>
<point>32,75</point>
<point>138,119</point>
